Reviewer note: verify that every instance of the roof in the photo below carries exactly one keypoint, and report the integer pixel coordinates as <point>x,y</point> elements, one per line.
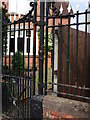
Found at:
<point>65,6</point>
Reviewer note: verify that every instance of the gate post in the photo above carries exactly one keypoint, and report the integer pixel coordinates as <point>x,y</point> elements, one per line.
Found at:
<point>34,45</point>
<point>41,47</point>
<point>0,61</point>
<point>36,107</point>
<point>46,47</point>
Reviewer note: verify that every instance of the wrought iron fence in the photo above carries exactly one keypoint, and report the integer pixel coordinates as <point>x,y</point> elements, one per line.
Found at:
<point>65,86</point>
<point>19,83</point>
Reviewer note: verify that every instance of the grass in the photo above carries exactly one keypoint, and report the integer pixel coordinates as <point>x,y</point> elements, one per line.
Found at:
<point>49,79</point>
<point>37,80</point>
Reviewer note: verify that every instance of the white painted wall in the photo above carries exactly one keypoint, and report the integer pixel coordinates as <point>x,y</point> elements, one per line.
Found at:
<point>21,7</point>
<point>56,52</point>
<point>55,61</point>
<point>25,44</point>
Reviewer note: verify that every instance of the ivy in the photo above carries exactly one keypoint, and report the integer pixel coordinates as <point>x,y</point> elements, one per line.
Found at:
<point>5,21</point>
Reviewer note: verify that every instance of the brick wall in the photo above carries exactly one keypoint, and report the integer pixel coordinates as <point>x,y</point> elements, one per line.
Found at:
<point>60,108</point>
<point>53,107</point>
<point>30,61</point>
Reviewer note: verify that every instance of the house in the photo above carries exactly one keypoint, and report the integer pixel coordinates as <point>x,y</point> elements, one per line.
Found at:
<point>15,13</point>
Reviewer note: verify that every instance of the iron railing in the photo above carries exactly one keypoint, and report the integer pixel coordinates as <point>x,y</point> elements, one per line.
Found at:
<point>21,86</point>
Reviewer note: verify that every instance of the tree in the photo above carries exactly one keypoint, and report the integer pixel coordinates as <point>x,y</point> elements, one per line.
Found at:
<point>17,64</point>
<point>5,21</point>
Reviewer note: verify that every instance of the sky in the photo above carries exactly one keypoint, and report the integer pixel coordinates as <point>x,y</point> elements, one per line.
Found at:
<point>81,4</point>
<point>23,5</point>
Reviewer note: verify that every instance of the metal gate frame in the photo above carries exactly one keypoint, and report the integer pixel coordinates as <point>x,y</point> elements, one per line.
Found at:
<point>25,88</point>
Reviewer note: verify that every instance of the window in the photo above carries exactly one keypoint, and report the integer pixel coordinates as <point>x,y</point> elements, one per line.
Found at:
<point>12,44</point>
<point>20,44</point>
<point>21,33</point>
<point>12,31</point>
<point>28,34</point>
<point>28,45</point>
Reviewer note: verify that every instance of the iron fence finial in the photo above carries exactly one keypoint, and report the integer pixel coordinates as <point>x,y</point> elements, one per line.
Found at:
<point>61,9</point>
<point>69,8</point>
<point>77,7</point>
<point>86,5</point>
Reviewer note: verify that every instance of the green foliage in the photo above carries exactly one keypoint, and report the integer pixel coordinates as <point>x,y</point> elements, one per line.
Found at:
<point>49,39</point>
<point>17,64</point>
<point>4,37</point>
<point>5,21</point>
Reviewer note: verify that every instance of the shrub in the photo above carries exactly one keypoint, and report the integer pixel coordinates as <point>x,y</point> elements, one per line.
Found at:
<point>17,64</point>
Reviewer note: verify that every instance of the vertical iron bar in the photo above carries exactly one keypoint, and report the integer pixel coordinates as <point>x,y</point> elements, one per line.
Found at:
<point>18,60</point>
<point>20,81</point>
<point>1,42</point>
<point>76,67</point>
<point>60,56</point>
<point>30,87</point>
<point>9,48</point>
<point>2,52</point>
<point>25,94</point>
<point>1,60</point>
<point>53,37</point>
<point>10,62</point>
<point>14,58</point>
<point>5,63</point>
<point>68,44</point>
<point>41,47</point>
<point>1,69</point>
<point>34,52</point>
<point>23,61</point>
<point>14,47</point>
<point>5,46</point>
<point>30,95</point>
<point>46,48</point>
<point>28,69</point>
<point>25,98</point>
<point>34,45</point>
<point>85,54</point>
